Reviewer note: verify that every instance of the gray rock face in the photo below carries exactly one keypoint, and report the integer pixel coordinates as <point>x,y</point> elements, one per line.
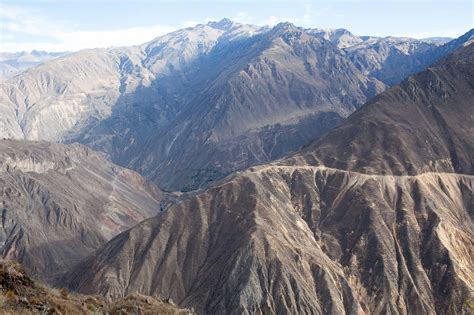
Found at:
<point>357,234</point>
<point>392,59</point>
<point>59,203</point>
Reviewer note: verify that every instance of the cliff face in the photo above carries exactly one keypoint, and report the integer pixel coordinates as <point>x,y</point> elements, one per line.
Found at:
<point>59,203</point>
<point>375,217</point>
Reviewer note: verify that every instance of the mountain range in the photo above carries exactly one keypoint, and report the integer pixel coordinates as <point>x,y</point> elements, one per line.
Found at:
<point>374,217</point>
<point>241,169</point>
<point>199,103</point>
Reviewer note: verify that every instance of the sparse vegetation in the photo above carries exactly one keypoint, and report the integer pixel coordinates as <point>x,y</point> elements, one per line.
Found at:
<point>64,293</point>
<point>469,306</point>
<point>19,294</point>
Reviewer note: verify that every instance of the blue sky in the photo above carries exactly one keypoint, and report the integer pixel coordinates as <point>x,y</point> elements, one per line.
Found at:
<point>72,25</point>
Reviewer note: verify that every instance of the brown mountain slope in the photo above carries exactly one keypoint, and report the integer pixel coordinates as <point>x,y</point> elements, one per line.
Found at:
<point>301,240</point>
<point>59,203</point>
<point>292,237</point>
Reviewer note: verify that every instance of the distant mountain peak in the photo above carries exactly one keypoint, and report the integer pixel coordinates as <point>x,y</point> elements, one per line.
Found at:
<point>340,37</point>
<point>286,29</point>
<point>285,26</point>
<point>463,40</point>
<point>224,24</point>
<point>331,30</point>
<point>468,37</point>
<point>437,40</point>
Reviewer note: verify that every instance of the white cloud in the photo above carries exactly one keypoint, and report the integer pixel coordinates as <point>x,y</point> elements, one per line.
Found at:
<point>119,37</point>
<point>305,20</point>
<point>445,33</point>
<point>273,20</point>
<point>243,17</point>
<point>10,12</point>
<point>22,30</point>
<point>16,19</point>
<point>192,23</point>
<point>16,23</point>
<point>77,40</point>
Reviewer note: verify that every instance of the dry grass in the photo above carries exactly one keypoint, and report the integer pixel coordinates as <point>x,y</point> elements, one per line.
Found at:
<point>19,294</point>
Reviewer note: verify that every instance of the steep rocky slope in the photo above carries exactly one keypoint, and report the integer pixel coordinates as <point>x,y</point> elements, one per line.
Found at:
<point>390,59</point>
<point>299,236</point>
<point>59,203</point>
<point>343,38</point>
<point>301,240</point>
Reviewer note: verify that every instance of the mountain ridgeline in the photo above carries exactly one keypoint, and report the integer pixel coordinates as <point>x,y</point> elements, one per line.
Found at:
<point>192,106</point>
<point>374,217</point>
